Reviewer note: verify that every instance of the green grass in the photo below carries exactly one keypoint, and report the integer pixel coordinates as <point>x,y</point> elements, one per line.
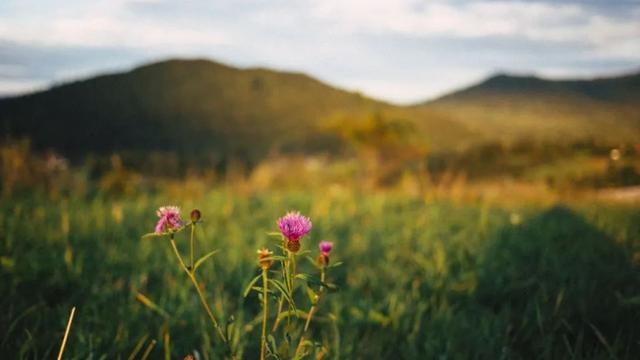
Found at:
<point>419,280</point>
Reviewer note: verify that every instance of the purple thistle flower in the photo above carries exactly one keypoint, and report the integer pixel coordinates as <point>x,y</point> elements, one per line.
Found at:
<point>325,247</point>
<point>169,219</point>
<point>294,226</point>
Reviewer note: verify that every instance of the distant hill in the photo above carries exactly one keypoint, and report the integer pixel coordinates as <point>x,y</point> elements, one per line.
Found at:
<point>207,110</point>
<point>514,107</point>
<point>615,89</point>
<point>194,107</point>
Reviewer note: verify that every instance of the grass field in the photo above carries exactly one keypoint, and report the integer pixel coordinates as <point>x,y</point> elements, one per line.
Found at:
<point>419,279</point>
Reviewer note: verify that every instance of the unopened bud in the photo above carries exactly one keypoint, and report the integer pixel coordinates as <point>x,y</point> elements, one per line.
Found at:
<point>195,215</point>
<point>323,260</point>
<point>264,260</point>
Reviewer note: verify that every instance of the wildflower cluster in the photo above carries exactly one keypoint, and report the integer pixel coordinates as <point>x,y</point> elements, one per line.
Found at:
<point>283,286</point>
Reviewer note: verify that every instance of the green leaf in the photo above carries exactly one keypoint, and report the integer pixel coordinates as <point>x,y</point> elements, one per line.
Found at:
<point>259,289</point>
<point>272,346</point>
<point>274,233</point>
<point>313,280</point>
<point>303,277</point>
<point>274,258</point>
<point>230,326</point>
<point>203,259</point>
<point>331,286</point>
<point>312,296</point>
<point>250,286</point>
<point>144,300</point>
<point>297,313</point>
<point>312,261</point>
<point>283,289</point>
<point>339,263</point>
<point>153,234</point>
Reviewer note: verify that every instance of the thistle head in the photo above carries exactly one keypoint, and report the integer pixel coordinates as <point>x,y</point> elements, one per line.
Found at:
<point>169,219</point>
<point>294,226</point>
<point>325,247</point>
<point>264,260</point>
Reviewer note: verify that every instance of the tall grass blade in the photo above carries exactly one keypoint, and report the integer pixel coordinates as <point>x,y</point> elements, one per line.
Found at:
<point>66,333</point>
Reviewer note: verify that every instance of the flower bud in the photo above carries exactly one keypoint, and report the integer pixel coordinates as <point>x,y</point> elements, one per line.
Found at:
<point>264,258</point>
<point>323,260</point>
<point>195,215</point>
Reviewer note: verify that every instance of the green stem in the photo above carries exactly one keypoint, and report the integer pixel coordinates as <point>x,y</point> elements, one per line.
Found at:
<point>284,266</point>
<point>265,311</point>
<point>310,314</point>
<point>314,307</point>
<point>290,273</point>
<point>294,269</point>
<point>277,322</point>
<point>203,299</point>
<point>193,230</point>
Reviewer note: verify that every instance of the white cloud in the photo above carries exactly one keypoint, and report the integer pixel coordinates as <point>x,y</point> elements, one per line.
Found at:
<point>528,20</point>
<point>402,50</point>
<point>412,90</point>
<point>105,24</point>
<point>20,86</point>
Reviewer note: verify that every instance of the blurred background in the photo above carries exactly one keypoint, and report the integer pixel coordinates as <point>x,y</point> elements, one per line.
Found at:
<point>477,164</point>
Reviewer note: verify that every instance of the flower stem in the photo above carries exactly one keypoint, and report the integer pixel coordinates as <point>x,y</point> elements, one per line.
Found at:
<point>292,275</point>
<point>265,312</point>
<point>277,322</point>
<point>193,231</point>
<point>285,264</point>
<point>315,306</point>
<point>310,314</point>
<point>201,294</point>
<point>291,265</point>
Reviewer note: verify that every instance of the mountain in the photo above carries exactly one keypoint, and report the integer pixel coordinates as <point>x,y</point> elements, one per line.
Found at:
<point>194,107</point>
<point>199,109</point>
<point>616,89</point>
<point>508,108</point>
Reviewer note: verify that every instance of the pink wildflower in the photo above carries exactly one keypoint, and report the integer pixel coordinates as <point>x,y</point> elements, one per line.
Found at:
<point>294,226</point>
<point>325,247</point>
<point>169,219</point>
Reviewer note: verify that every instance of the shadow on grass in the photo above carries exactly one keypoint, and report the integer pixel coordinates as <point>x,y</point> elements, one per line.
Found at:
<point>559,281</point>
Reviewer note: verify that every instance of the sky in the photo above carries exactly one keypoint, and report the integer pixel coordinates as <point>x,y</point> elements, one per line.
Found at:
<point>401,51</point>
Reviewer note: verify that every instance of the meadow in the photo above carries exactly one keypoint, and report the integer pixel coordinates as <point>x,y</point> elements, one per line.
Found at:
<point>420,278</point>
<point>497,221</point>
